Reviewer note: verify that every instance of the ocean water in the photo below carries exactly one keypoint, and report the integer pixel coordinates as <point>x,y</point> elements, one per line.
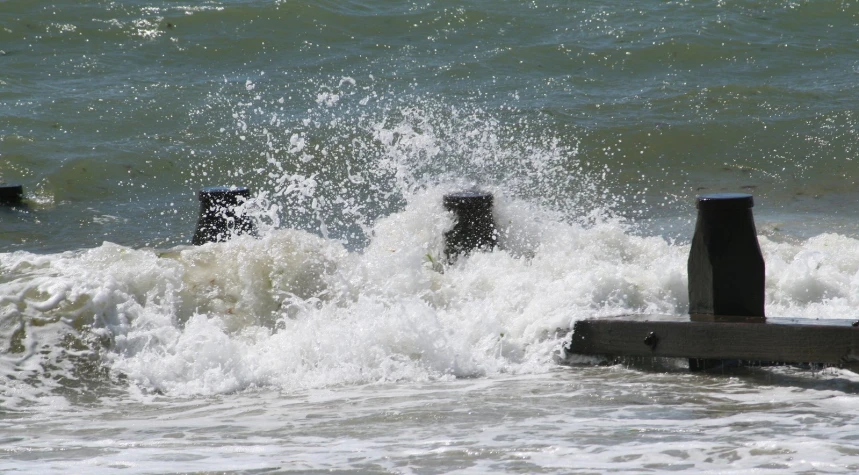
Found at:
<point>339,339</point>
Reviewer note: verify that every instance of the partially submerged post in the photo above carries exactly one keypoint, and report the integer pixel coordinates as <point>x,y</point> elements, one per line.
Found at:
<point>474,228</point>
<point>218,218</point>
<point>726,267</point>
<point>726,308</point>
<point>11,195</point>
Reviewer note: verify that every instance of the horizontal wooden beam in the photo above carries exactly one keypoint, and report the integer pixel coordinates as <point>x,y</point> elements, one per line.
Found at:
<point>781,340</point>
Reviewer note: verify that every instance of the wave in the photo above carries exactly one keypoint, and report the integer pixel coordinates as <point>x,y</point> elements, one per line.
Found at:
<point>292,310</point>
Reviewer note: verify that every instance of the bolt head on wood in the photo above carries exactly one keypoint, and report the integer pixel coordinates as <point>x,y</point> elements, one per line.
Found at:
<point>651,340</point>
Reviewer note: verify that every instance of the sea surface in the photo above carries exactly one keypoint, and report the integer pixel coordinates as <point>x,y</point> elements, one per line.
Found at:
<point>339,339</point>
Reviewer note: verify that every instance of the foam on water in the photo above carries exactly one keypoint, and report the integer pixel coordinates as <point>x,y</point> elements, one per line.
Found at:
<point>590,419</point>
<point>340,339</point>
<point>293,310</point>
<point>357,291</point>
<point>296,310</point>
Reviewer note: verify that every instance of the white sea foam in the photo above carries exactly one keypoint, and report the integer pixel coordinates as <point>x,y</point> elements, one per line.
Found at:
<point>339,340</point>
<point>387,313</point>
<point>292,310</point>
<point>594,419</point>
<point>296,310</point>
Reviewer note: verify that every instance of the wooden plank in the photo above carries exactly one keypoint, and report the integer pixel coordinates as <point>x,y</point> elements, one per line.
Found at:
<point>776,340</point>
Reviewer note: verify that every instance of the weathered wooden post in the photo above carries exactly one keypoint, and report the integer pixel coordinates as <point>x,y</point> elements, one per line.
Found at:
<point>11,194</point>
<point>726,320</point>
<point>474,228</point>
<point>218,219</point>
<point>725,267</point>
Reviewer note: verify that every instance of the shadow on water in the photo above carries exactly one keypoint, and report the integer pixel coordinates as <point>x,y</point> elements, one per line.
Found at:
<point>817,377</point>
<point>799,376</point>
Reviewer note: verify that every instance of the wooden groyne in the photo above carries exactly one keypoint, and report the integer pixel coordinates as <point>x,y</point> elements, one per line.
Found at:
<point>726,321</point>
<point>706,341</point>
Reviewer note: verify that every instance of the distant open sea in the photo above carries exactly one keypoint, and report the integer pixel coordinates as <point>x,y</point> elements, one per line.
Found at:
<point>339,339</point>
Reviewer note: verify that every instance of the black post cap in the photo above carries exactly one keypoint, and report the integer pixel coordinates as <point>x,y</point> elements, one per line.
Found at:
<point>228,195</point>
<point>11,194</point>
<point>467,200</point>
<point>724,201</point>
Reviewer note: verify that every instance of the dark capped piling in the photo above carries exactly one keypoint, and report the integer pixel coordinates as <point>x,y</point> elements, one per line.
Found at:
<point>219,220</point>
<point>474,228</point>
<point>726,326</point>
<point>11,195</point>
<point>726,267</point>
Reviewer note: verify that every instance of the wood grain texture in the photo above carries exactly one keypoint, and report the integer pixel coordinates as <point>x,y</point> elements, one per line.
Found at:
<point>778,340</point>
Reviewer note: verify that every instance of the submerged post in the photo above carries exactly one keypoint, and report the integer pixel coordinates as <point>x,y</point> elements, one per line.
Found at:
<point>11,194</point>
<point>726,267</point>
<point>218,219</point>
<point>474,228</point>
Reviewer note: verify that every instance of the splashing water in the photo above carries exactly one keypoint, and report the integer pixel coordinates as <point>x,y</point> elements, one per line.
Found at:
<point>346,284</point>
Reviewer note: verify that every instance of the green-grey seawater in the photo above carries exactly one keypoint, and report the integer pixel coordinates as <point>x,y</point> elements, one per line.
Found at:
<point>115,113</point>
<point>338,339</point>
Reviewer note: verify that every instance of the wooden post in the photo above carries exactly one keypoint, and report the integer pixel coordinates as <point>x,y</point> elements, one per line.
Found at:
<point>474,228</point>
<point>725,267</point>
<point>726,321</point>
<point>11,194</point>
<point>218,220</point>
